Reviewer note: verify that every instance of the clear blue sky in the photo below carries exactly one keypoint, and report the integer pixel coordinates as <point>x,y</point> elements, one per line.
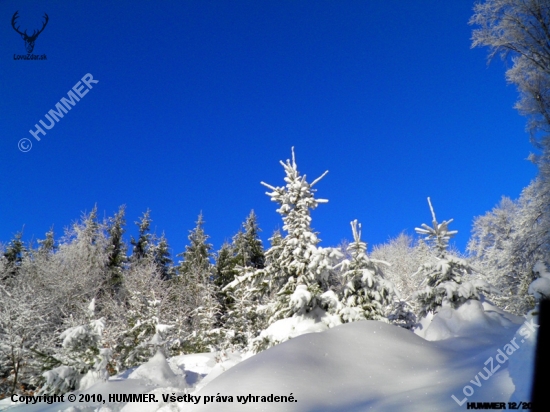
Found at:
<point>197,102</point>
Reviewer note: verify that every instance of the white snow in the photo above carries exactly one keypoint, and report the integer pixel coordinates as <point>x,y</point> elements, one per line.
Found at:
<point>471,319</point>
<point>360,366</point>
<point>158,372</point>
<point>315,321</point>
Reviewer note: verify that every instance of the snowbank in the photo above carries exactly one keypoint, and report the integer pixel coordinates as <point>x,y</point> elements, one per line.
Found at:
<point>472,319</point>
<point>313,322</point>
<point>361,366</point>
<point>156,371</point>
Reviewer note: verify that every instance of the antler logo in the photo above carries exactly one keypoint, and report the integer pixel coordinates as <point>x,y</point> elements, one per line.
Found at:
<point>29,40</point>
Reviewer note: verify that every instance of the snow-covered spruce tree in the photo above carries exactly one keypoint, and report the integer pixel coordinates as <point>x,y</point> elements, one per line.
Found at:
<point>159,252</point>
<point>275,241</point>
<point>143,315</point>
<point>47,247</point>
<point>225,270</point>
<point>150,303</point>
<point>116,251</point>
<point>365,292</point>
<point>242,322</point>
<point>13,255</point>
<point>152,248</point>
<point>248,294</point>
<point>195,282</point>
<point>143,242</point>
<point>248,245</point>
<point>301,282</point>
<point>297,271</point>
<point>243,255</point>
<point>82,356</point>
<point>448,278</point>
<point>402,313</point>
<point>225,265</point>
<point>245,251</point>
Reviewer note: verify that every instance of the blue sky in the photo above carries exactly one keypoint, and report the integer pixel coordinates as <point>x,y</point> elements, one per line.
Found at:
<point>197,102</point>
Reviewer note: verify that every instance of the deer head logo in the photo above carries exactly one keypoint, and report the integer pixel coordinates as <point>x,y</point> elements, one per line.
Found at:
<point>29,40</point>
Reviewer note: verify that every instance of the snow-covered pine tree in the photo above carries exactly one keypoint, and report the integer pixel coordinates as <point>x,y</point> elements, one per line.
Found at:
<point>225,270</point>
<point>448,278</point>
<point>196,265</point>
<point>365,292</point>
<point>246,295</point>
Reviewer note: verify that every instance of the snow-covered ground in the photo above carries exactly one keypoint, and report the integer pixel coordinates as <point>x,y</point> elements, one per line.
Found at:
<point>477,353</point>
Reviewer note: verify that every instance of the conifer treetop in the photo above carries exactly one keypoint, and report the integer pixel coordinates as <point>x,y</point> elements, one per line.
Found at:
<point>356,230</point>
<point>298,193</point>
<point>439,234</point>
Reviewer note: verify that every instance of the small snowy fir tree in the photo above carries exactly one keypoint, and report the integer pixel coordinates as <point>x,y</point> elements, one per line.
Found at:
<point>402,314</point>
<point>82,357</point>
<point>365,292</point>
<point>143,318</point>
<point>447,277</point>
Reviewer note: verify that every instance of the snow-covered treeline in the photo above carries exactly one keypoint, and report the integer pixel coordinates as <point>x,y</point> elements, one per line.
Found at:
<point>88,305</point>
